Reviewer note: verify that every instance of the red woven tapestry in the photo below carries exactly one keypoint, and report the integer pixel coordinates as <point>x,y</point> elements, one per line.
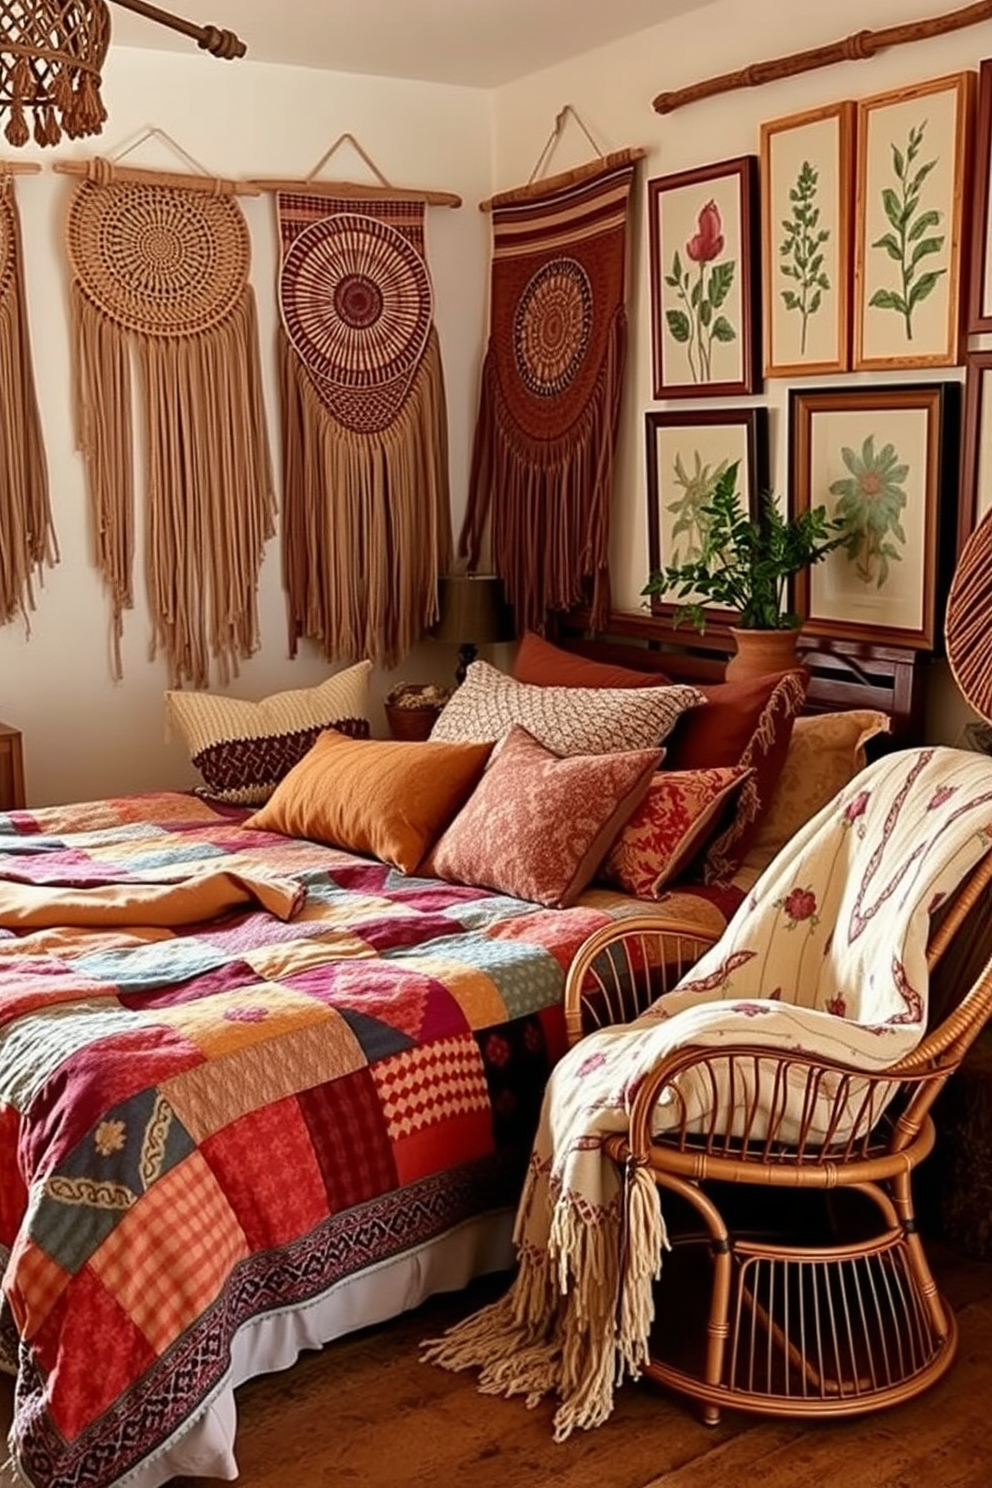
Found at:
<point>366,519</point>
<point>542,465</point>
<point>27,539</point>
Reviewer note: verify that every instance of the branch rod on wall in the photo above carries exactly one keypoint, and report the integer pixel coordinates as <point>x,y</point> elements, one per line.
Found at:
<point>852,48</point>
<point>311,185</point>
<point>220,43</point>
<point>102,170</point>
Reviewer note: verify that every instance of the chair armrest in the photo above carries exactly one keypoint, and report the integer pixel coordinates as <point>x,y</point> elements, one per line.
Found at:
<point>624,966</point>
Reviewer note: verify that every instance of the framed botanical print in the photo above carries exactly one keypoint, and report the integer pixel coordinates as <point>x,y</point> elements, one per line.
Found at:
<point>980,276</point>
<point>702,227</point>
<point>807,187</point>
<point>687,453</point>
<point>913,156</point>
<point>976,445</point>
<point>882,460</point>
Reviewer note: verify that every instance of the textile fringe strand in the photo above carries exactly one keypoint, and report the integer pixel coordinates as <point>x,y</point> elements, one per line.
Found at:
<point>366,524</point>
<point>27,538</point>
<point>211,506</point>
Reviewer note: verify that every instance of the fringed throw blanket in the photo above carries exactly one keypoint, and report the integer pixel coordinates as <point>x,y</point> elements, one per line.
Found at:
<point>367,526</point>
<point>827,954</point>
<point>542,464</point>
<point>27,540</point>
<point>160,273</point>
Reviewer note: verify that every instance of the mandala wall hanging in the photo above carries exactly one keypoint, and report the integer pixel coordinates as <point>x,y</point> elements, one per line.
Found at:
<point>160,284</point>
<point>366,520</point>
<point>542,464</point>
<point>27,539</point>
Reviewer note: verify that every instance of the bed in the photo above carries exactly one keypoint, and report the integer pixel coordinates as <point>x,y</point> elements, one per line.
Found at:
<point>257,1091</point>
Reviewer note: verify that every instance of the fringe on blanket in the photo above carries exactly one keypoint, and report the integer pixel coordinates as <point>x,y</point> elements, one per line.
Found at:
<point>578,1316</point>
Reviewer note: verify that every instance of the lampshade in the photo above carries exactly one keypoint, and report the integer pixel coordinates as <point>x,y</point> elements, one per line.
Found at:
<point>473,610</point>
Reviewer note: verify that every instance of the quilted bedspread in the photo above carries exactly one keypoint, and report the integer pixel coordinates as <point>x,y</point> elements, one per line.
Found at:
<point>234,1068</point>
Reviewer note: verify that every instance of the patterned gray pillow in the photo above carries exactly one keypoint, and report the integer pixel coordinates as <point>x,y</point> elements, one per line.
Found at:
<point>569,720</point>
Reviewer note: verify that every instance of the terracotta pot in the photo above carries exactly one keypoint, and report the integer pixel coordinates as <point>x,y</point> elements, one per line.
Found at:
<point>762,651</point>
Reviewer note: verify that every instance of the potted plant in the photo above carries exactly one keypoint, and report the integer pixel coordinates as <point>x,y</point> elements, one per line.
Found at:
<point>744,564</point>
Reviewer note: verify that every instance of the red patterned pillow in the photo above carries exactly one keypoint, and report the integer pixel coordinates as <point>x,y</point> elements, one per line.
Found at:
<point>537,825</point>
<point>669,827</point>
<point>764,755</point>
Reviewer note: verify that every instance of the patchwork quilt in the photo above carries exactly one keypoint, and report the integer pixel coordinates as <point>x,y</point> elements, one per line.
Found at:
<point>235,1068</point>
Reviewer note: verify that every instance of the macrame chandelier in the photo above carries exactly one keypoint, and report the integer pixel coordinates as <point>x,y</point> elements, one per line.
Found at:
<point>51,56</point>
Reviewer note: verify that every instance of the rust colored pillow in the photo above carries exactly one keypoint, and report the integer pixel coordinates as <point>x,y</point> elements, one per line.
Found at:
<point>387,799</point>
<point>764,754</point>
<point>544,665</point>
<point>719,733</point>
<point>538,824</point>
<point>669,827</point>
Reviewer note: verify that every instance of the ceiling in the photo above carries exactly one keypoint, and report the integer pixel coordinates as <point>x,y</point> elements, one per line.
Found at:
<point>475,43</point>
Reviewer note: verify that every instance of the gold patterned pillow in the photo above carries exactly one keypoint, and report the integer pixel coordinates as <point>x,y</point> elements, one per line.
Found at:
<point>569,720</point>
<point>243,749</point>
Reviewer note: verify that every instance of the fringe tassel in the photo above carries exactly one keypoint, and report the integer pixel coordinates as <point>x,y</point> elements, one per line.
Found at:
<point>548,503</point>
<point>211,505</point>
<point>27,537</point>
<point>366,523</point>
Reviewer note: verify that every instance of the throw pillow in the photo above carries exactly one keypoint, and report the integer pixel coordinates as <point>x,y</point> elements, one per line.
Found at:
<point>669,827</point>
<point>243,749</point>
<point>543,665</point>
<point>825,753</point>
<point>538,824</point>
<point>764,754</point>
<point>386,799</point>
<point>569,720</point>
<point>719,733</point>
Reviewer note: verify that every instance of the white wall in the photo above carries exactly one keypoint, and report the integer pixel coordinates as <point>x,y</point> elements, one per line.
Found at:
<point>612,91</point>
<point>84,734</point>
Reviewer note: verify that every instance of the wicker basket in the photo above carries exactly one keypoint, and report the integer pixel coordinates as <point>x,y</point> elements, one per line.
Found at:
<point>411,723</point>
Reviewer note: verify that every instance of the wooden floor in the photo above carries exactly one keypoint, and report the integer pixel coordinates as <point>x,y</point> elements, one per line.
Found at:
<point>365,1413</point>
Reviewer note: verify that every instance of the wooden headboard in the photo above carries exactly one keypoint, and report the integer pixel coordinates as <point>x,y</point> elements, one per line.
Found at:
<point>843,674</point>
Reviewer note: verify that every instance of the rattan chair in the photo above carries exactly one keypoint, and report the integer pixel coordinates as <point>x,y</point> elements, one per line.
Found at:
<point>797,1283</point>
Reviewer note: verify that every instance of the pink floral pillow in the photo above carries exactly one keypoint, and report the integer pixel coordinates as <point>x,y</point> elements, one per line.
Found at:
<point>669,827</point>
<point>537,825</point>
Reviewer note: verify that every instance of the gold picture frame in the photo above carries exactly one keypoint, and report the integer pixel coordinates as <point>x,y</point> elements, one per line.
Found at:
<point>807,241</point>
<point>913,147</point>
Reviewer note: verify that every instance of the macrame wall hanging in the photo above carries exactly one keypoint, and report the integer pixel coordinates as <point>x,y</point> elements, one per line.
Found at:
<point>366,513</point>
<point>27,538</point>
<point>159,266</point>
<point>542,463</point>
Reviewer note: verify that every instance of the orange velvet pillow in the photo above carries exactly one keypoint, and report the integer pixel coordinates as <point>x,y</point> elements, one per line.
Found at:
<point>387,799</point>
<point>543,665</point>
<point>538,824</point>
<point>669,827</point>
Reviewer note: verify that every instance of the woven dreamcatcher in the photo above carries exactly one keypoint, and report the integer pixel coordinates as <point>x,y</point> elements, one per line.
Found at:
<point>549,407</point>
<point>366,522</point>
<point>160,282</point>
<point>27,539</point>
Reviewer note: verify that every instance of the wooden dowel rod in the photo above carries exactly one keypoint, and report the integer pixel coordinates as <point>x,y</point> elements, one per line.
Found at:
<point>354,191</point>
<point>19,167</point>
<point>564,179</point>
<point>148,177</point>
<point>213,39</point>
<point>851,49</point>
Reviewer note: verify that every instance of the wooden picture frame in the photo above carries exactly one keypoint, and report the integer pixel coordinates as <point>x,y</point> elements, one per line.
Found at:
<point>705,291</point>
<point>913,158</point>
<point>686,453</point>
<point>807,187</point>
<point>884,460</point>
<point>980,266</point>
<point>975,498</point>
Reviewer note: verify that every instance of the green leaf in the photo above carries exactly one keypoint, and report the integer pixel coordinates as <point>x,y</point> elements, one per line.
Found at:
<point>929,245</point>
<point>723,330</point>
<point>888,299</point>
<point>891,245</point>
<point>892,206</point>
<point>677,267</point>
<point>816,300</point>
<point>678,325</point>
<point>791,299</point>
<point>898,163</point>
<point>925,220</point>
<point>721,279</point>
<point>924,286</point>
<point>705,313</point>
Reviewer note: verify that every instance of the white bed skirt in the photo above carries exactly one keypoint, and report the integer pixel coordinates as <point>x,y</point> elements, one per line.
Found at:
<point>205,1446</point>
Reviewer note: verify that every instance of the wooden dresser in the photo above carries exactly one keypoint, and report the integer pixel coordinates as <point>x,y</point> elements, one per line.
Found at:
<point>11,769</point>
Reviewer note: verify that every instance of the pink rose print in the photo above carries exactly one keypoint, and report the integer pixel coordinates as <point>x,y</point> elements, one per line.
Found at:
<point>706,242</point>
<point>799,905</point>
<point>855,809</point>
<point>594,1062</point>
<point>941,794</point>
